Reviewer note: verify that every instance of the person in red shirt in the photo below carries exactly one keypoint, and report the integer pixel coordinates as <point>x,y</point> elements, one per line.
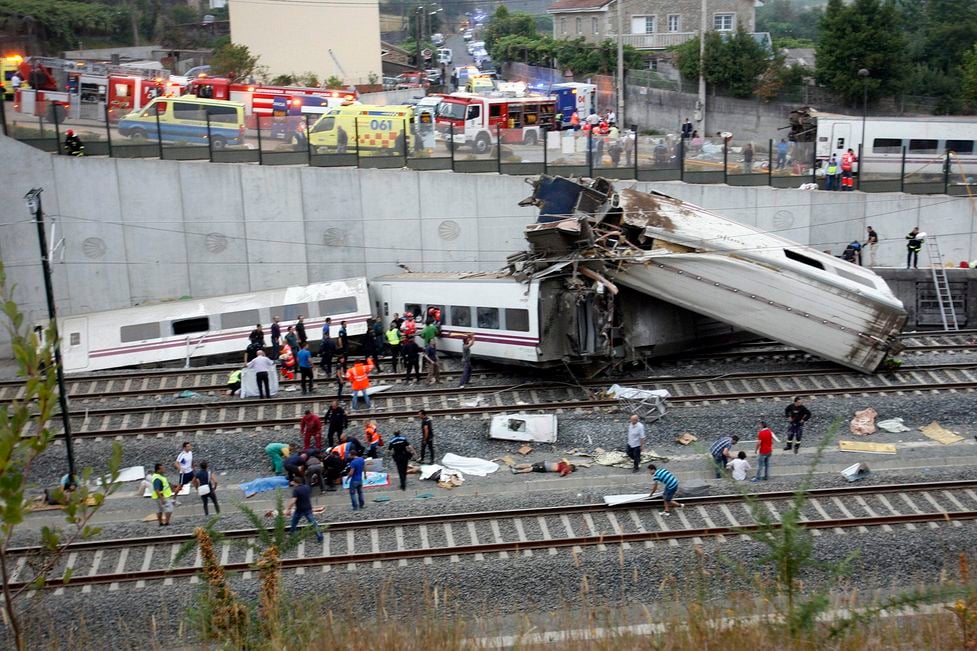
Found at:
<point>764,448</point>
<point>311,428</point>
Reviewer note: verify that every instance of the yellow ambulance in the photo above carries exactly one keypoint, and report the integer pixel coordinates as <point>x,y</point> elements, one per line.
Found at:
<point>375,130</point>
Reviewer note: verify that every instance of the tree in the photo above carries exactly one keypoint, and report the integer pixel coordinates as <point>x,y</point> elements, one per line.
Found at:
<point>735,64</point>
<point>783,19</point>
<point>970,73</point>
<point>866,35</point>
<point>234,62</point>
<point>25,436</point>
<point>59,24</point>
<point>502,23</point>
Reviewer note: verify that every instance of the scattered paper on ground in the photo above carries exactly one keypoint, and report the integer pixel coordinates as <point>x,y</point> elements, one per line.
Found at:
<point>864,446</point>
<point>685,438</point>
<point>938,433</point>
<point>892,425</point>
<point>863,423</point>
<point>506,460</point>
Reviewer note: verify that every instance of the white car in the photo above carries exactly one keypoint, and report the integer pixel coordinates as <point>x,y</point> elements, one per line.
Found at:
<point>437,38</point>
<point>444,55</point>
<point>468,35</point>
<point>474,45</point>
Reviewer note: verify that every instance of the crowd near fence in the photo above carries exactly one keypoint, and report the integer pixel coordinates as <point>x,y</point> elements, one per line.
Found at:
<point>304,140</point>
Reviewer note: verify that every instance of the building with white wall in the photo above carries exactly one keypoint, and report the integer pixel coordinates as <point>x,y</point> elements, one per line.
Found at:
<point>339,39</point>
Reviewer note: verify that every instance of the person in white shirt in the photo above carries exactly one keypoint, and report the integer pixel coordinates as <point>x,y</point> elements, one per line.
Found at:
<point>262,365</point>
<point>740,467</point>
<point>636,441</point>
<point>184,466</point>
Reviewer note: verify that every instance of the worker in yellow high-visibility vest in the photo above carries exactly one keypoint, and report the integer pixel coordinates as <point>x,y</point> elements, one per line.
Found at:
<point>163,495</point>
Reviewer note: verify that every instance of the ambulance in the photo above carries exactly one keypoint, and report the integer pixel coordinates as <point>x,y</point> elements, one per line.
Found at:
<point>260,100</point>
<point>373,130</point>
<point>8,66</point>
<point>186,119</point>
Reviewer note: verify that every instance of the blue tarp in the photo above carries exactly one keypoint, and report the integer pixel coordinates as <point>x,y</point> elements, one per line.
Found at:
<point>262,484</point>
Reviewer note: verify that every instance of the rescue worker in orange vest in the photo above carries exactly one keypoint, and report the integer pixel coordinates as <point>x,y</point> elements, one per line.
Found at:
<point>359,379</point>
<point>372,438</point>
<point>287,360</point>
<point>848,159</point>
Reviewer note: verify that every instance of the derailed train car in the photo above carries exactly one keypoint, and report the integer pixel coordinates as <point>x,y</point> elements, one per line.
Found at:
<point>684,255</point>
<point>553,317</point>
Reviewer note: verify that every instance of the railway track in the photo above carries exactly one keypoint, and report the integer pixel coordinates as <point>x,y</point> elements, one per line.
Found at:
<point>481,535</point>
<point>180,418</point>
<point>122,385</point>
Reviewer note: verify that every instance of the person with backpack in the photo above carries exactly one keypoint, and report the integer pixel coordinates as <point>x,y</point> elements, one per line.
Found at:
<point>206,484</point>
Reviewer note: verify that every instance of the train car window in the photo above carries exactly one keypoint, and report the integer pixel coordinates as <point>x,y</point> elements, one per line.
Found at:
<point>75,339</point>
<point>488,317</point>
<point>923,147</point>
<point>517,320</point>
<point>139,332</point>
<point>412,308</point>
<point>800,257</point>
<point>189,326</point>
<point>241,319</point>
<point>290,312</point>
<point>428,317</point>
<point>887,146</point>
<point>334,306</point>
<point>461,315</point>
<point>960,146</point>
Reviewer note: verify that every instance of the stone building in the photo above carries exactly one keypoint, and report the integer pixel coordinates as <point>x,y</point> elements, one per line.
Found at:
<point>648,24</point>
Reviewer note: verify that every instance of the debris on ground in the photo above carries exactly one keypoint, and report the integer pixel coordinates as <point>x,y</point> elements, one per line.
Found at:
<point>856,472</point>
<point>940,434</point>
<point>868,448</point>
<point>578,452</point>
<point>524,450</point>
<point>648,404</point>
<point>507,460</point>
<point>892,425</point>
<point>686,438</point>
<point>539,428</point>
<point>187,393</point>
<point>316,510</point>
<point>863,423</point>
<point>619,459</point>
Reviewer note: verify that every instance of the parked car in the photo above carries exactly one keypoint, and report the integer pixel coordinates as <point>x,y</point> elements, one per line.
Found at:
<point>433,75</point>
<point>468,35</point>
<point>412,80</point>
<point>438,39</point>
<point>390,83</point>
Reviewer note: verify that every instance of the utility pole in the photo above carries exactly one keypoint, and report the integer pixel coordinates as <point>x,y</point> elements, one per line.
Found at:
<point>702,78</point>
<point>418,17</point>
<point>33,199</point>
<point>620,64</point>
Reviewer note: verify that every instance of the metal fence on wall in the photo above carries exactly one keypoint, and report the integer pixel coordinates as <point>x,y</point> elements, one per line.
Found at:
<point>303,140</point>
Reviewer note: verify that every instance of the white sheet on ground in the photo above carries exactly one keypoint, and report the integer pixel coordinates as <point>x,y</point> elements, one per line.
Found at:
<point>427,471</point>
<point>539,428</point>
<point>469,465</point>
<point>632,393</point>
<point>132,473</point>
<point>249,383</point>
<point>628,498</point>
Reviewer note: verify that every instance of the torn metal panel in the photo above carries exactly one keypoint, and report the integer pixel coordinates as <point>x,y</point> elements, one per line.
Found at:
<point>539,428</point>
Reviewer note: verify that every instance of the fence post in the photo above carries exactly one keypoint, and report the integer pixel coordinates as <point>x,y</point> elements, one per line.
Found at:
<point>814,163</point>
<point>946,172</point>
<point>308,140</point>
<point>356,138</point>
<point>902,171</point>
<point>590,152</point>
<point>57,127</point>
<point>108,128</point>
<point>159,134</point>
<point>210,141</point>
<point>546,142</point>
<point>3,114</point>
<point>451,145</point>
<point>634,141</point>
<point>498,147</point>
<point>406,146</point>
<point>858,185</point>
<point>257,122</point>
<point>681,160</point>
<point>726,161</point>
<point>770,163</point>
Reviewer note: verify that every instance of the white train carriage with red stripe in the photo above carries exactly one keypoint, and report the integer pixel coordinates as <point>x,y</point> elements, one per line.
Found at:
<point>204,327</point>
<point>552,318</point>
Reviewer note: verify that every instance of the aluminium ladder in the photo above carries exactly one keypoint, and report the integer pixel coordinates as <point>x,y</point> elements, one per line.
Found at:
<point>942,285</point>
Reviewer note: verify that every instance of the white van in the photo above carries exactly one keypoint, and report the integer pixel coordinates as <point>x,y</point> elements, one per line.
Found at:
<point>444,55</point>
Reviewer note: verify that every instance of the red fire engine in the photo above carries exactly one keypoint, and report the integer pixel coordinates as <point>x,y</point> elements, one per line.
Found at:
<point>259,100</point>
<point>476,120</point>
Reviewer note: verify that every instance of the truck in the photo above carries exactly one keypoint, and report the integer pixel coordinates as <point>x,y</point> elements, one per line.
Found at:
<point>477,121</point>
<point>574,96</point>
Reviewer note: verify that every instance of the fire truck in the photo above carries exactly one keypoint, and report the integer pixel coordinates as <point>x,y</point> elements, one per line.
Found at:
<point>477,120</point>
<point>260,100</point>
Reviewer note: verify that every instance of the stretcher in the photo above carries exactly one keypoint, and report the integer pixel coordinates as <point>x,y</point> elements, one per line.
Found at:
<point>647,404</point>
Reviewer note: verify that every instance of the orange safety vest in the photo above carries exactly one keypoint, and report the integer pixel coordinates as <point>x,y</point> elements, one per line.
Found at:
<point>358,376</point>
<point>846,161</point>
<point>371,435</point>
<point>340,450</point>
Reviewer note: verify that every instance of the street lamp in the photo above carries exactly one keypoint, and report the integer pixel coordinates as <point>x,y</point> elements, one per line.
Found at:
<point>33,201</point>
<point>864,73</point>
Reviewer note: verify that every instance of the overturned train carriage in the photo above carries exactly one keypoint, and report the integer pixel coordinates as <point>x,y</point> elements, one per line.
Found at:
<point>661,247</point>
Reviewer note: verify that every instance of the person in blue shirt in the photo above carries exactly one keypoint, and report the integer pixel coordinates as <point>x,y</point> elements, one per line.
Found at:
<point>305,367</point>
<point>667,480</point>
<point>301,507</point>
<point>356,466</point>
<point>782,148</point>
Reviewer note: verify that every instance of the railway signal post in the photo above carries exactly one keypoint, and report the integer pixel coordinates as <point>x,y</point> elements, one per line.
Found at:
<point>33,199</point>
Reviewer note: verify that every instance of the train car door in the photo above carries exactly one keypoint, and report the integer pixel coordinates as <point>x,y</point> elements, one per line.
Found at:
<point>386,295</point>
<point>74,344</point>
<point>841,138</point>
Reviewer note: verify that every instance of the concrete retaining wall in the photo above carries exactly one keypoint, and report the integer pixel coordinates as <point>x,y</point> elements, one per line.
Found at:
<point>138,231</point>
